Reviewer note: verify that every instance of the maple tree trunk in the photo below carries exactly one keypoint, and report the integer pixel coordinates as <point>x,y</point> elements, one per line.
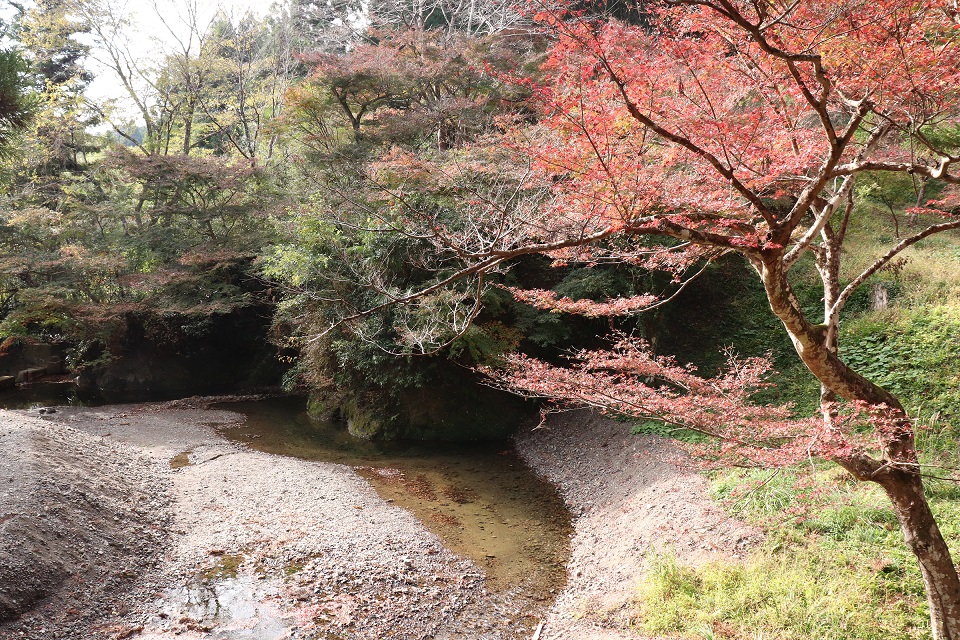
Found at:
<point>903,485</point>
<point>897,472</point>
<point>922,535</point>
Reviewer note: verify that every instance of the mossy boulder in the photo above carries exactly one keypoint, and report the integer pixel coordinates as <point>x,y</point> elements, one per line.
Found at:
<point>324,404</point>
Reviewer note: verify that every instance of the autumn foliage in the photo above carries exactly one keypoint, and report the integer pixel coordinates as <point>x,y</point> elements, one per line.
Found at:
<point>717,126</point>
<point>740,112</point>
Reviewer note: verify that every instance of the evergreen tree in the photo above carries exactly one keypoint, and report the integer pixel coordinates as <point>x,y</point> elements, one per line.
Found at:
<point>16,103</point>
<point>46,33</point>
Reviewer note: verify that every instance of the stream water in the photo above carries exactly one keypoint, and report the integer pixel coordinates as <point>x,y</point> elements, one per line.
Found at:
<point>479,498</point>
<point>39,394</point>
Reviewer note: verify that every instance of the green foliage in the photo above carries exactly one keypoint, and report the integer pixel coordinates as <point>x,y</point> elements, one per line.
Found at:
<point>894,192</point>
<point>787,595</point>
<point>941,136</point>
<point>914,353</point>
<point>87,236</point>
<point>657,428</point>
<point>47,32</point>
<point>727,307</point>
<point>485,343</point>
<point>17,103</point>
<point>366,121</point>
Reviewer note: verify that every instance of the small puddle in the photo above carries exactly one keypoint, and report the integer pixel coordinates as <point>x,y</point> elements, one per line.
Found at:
<point>181,460</point>
<point>233,608</point>
<point>479,498</point>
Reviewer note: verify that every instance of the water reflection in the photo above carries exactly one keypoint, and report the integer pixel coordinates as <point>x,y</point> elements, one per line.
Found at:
<point>233,608</point>
<point>39,394</point>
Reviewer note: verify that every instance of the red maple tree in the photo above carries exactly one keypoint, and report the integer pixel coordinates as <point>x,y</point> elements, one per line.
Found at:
<point>719,126</point>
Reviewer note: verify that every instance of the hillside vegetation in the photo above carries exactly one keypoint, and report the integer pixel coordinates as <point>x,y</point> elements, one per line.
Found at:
<point>436,217</point>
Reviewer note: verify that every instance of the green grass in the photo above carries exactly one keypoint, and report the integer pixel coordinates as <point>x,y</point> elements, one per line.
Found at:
<point>929,274</point>
<point>782,596</point>
<point>227,566</point>
<point>913,352</point>
<point>833,566</point>
<point>657,428</point>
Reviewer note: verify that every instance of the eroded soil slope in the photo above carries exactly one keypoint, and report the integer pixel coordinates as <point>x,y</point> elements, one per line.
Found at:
<point>83,523</point>
<point>632,496</point>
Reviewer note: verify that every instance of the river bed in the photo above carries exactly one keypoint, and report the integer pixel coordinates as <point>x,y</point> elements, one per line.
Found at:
<point>480,498</point>
<point>481,501</point>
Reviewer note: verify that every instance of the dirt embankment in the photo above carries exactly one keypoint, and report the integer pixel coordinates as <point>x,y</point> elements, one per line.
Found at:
<point>630,498</point>
<point>82,524</point>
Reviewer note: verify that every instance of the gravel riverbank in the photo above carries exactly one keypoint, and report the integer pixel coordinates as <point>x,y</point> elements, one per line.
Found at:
<point>629,498</point>
<point>140,521</point>
<point>83,524</point>
<point>249,545</point>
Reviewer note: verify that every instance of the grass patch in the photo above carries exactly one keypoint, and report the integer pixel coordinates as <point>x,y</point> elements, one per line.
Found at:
<point>657,428</point>
<point>225,567</point>
<point>776,595</point>
<point>295,566</point>
<point>929,274</point>
<point>914,353</point>
<point>834,565</point>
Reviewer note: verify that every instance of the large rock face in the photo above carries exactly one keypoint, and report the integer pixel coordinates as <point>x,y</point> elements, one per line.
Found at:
<point>177,355</point>
<point>24,359</point>
<point>459,411</point>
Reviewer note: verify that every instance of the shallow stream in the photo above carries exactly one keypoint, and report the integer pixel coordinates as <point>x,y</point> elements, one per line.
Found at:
<point>479,498</point>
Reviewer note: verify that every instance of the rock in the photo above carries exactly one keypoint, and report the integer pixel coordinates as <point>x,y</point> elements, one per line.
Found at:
<point>457,410</point>
<point>323,405</point>
<point>19,354</point>
<point>54,366</point>
<point>7,382</point>
<point>180,354</point>
<point>26,375</point>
